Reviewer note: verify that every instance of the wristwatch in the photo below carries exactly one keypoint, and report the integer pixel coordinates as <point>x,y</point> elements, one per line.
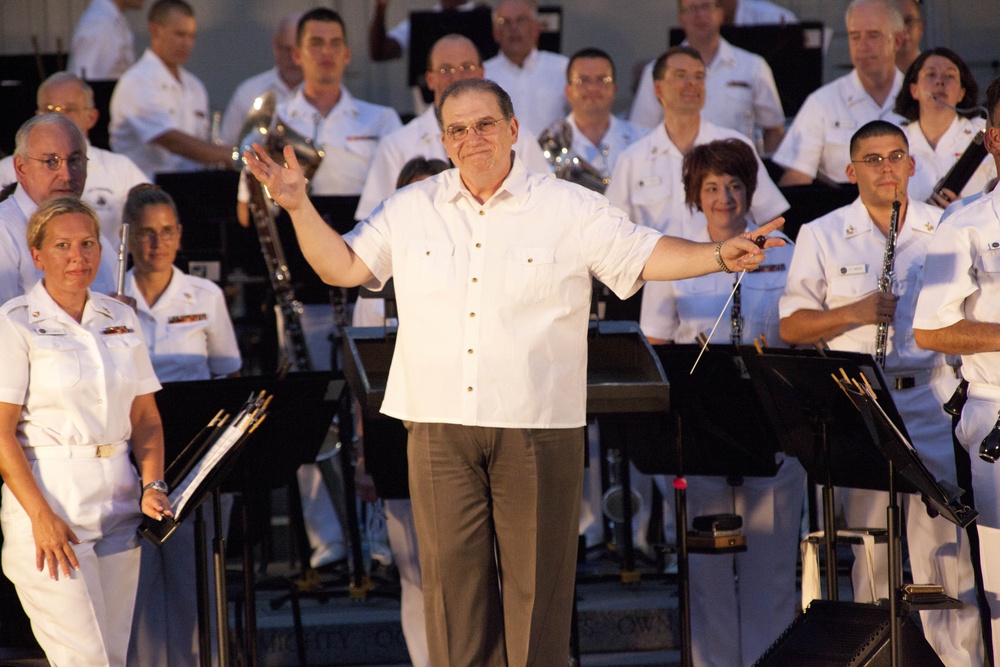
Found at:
<point>158,485</point>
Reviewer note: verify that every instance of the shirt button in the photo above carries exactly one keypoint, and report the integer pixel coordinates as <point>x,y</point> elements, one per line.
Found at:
<point>100,400</point>
<point>482,212</point>
<point>472,314</point>
<point>475,280</point>
<point>468,389</point>
<point>479,245</point>
<point>470,350</point>
<point>530,260</point>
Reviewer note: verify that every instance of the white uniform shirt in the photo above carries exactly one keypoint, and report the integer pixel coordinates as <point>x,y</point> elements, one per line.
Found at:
<point>109,178</point>
<point>348,135</point>
<point>187,331</point>
<point>739,93</point>
<point>761,12</point>
<point>536,88</point>
<point>962,280</point>
<point>17,270</point>
<point>933,163</point>
<point>646,183</point>
<point>818,140</point>
<point>103,45</point>
<point>678,310</point>
<point>422,137</point>
<point>401,31</point>
<point>494,299</point>
<point>147,103</point>
<point>242,101</point>
<point>76,381</point>
<point>620,135</point>
<point>838,259</point>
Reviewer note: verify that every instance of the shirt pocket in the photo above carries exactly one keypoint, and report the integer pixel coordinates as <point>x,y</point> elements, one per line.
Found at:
<point>846,289</point>
<point>122,349</point>
<point>429,267</point>
<point>54,362</point>
<point>185,338</point>
<point>650,191</point>
<point>530,274</point>
<point>990,263</point>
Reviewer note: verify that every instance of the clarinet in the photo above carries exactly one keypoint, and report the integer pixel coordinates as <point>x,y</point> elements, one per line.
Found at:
<point>962,171</point>
<point>885,281</point>
<point>277,271</point>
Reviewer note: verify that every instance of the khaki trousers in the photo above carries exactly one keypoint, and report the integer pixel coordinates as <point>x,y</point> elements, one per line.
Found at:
<point>496,513</point>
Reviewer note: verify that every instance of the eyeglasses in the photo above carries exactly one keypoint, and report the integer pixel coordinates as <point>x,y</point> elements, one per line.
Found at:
<point>70,108</point>
<point>54,162</point>
<point>166,234</point>
<point>520,21</point>
<point>452,71</point>
<point>483,128</point>
<point>875,161</point>
<point>589,80</point>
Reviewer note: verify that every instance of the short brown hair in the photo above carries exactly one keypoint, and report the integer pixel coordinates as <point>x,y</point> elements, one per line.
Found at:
<point>53,208</point>
<point>725,156</point>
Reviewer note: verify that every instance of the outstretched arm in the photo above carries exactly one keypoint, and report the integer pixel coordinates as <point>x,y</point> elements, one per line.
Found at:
<point>675,258</point>
<point>330,257</point>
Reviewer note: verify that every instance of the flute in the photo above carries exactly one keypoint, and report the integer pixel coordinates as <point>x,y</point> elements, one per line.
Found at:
<point>122,259</point>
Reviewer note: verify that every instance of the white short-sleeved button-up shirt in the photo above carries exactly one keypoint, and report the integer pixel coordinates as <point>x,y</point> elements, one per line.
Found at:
<point>75,381</point>
<point>348,136</point>
<point>17,270</point>
<point>761,12</point>
<point>620,135</point>
<point>678,310</point>
<point>838,259</point>
<point>242,101</point>
<point>740,93</point>
<point>646,183</point>
<point>109,178</point>
<point>149,102</point>
<point>421,137</point>
<point>933,163</point>
<point>962,280</point>
<point>536,89</point>
<point>103,45</point>
<point>494,298</point>
<point>818,141</point>
<point>187,331</point>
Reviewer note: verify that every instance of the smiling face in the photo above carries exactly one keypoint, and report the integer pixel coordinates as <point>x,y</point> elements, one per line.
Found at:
<point>879,186</point>
<point>723,199</point>
<point>682,88</point>
<point>155,240</point>
<point>479,157</point>
<point>938,79</point>
<point>516,29</point>
<point>69,255</point>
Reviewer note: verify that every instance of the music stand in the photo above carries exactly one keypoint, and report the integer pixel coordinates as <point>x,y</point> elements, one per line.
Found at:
<point>815,422</point>
<point>298,419</point>
<point>721,433</point>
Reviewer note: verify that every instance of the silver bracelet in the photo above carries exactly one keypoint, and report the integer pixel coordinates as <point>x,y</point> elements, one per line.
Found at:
<point>718,258</point>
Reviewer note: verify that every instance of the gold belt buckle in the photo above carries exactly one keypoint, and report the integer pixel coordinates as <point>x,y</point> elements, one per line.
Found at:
<point>105,451</point>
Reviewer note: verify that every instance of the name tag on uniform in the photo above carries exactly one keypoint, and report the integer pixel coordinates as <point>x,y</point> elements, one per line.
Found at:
<point>770,268</point>
<point>363,137</point>
<point>853,269</point>
<point>845,124</point>
<point>738,84</point>
<point>111,331</point>
<point>649,181</point>
<point>183,319</point>
<point>48,331</point>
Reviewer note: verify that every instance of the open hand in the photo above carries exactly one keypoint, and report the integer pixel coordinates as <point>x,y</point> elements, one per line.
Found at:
<point>54,541</point>
<point>286,185</point>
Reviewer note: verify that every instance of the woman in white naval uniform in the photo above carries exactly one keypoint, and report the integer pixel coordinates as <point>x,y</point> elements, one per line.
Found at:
<point>937,82</point>
<point>189,336</point>
<point>740,603</point>
<point>76,396</point>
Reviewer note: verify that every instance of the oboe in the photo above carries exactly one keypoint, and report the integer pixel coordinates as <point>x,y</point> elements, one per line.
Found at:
<point>885,281</point>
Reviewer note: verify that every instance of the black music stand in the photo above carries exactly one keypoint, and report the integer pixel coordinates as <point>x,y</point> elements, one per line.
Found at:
<point>298,419</point>
<point>720,433</point>
<point>815,422</point>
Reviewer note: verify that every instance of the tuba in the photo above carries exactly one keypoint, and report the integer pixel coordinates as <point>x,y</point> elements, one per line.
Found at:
<point>556,142</point>
<point>263,127</point>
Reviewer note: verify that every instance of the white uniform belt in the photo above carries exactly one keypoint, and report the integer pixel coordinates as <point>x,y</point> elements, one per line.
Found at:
<point>75,451</point>
<point>984,392</point>
<point>920,378</point>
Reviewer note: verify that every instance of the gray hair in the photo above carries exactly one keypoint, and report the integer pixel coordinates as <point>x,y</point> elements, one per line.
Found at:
<point>480,86</point>
<point>57,119</point>
<point>895,18</point>
<point>65,77</point>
